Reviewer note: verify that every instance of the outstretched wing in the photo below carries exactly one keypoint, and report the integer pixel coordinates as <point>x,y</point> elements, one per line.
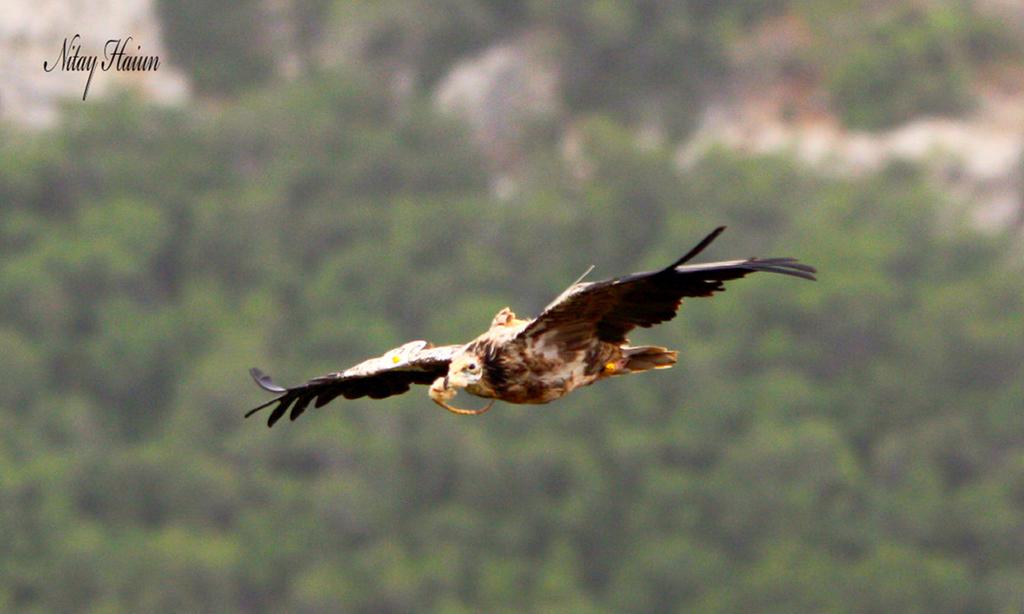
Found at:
<point>416,362</point>
<point>610,309</point>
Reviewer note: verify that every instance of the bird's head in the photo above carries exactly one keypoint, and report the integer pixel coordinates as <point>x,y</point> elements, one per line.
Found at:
<point>465,371</point>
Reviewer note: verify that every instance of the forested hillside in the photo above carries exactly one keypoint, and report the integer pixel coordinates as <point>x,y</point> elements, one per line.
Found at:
<point>850,445</point>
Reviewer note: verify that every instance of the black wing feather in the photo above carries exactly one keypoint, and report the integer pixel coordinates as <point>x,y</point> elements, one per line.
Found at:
<point>610,309</point>
<point>375,383</point>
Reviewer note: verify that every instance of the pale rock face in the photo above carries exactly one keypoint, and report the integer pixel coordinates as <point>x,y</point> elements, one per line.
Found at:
<point>979,158</point>
<point>1009,12</point>
<point>33,32</point>
<point>498,93</point>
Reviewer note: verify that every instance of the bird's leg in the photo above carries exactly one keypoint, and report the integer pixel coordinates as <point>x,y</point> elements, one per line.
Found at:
<point>441,393</point>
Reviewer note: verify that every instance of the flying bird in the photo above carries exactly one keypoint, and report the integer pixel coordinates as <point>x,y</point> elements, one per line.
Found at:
<point>578,339</point>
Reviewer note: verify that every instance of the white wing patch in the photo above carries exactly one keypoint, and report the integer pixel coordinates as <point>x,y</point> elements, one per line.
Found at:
<point>412,356</point>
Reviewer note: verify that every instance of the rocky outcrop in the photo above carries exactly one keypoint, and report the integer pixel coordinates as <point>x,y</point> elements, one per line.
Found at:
<point>500,94</point>
<point>978,159</point>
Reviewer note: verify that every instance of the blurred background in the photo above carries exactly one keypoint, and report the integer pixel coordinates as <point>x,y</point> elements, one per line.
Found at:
<point>306,183</point>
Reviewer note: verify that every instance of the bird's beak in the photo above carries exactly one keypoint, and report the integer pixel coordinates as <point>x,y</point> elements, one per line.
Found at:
<point>441,393</point>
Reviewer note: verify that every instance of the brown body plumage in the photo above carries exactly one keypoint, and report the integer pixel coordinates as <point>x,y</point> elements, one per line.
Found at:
<point>580,338</point>
<point>518,372</point>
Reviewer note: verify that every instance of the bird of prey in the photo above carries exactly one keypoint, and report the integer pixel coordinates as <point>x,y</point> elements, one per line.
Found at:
<point>578,339</point>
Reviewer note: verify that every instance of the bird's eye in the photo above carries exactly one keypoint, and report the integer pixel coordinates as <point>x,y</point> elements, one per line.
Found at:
<point>472,366</point>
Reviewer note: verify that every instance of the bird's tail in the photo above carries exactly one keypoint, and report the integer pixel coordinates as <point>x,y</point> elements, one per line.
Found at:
<point>644,357</point>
